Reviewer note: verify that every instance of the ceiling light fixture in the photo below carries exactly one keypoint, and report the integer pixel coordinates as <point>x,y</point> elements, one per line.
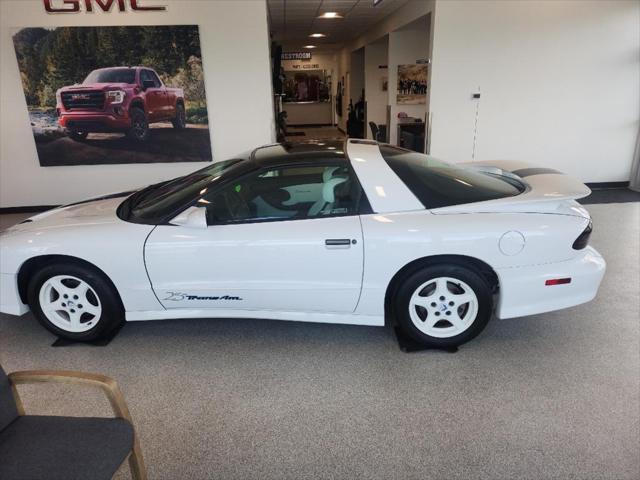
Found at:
<point>309,46</point>
<point>330,15</point>
<point>317,35</point>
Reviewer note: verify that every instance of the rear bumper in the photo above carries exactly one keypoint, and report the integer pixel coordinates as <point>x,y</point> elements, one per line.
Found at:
<point>523,290</point>
<point>95,122</point>
<point>10,301</point>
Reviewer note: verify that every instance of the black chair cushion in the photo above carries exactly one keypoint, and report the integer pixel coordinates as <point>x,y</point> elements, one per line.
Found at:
<point>8,411</point>
<point>65,448</point>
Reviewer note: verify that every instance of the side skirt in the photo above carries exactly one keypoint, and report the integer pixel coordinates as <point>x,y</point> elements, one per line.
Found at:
<point>338,318</point>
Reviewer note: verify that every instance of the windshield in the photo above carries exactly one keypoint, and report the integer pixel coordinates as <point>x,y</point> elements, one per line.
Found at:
<point>112,75</point>
<point>155,203</point>
<point>440,184</point>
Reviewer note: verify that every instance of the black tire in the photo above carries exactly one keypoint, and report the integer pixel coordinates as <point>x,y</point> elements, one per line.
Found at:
<point>180,122</point>
<point>111,317</point>
<point>139,130</point>
<point>77,135</point>
<point>473,279</point>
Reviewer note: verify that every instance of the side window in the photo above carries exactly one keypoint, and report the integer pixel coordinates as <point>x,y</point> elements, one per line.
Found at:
<point>285,193</point>
<point>154,77</point>
<point>144,76</point>
<point>149,75</point>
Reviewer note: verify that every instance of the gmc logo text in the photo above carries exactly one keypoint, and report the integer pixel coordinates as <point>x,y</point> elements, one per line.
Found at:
<point>75,6</point>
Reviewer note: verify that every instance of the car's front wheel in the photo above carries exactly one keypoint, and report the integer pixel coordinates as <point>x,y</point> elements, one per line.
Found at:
<point>443,306</point>
<point>75,302</point>
<point>139,130</point>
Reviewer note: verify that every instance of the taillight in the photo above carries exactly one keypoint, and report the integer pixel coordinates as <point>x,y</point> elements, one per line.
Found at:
<point>583,240</point>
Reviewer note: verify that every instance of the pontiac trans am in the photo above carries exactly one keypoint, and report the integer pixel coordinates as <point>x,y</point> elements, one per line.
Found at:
<point>349,232</point>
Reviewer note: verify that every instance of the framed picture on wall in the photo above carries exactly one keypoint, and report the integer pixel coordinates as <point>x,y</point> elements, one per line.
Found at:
<point>113,95</point>
<point>412,84</point>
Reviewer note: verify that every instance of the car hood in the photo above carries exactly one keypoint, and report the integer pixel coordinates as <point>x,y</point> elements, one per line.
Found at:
<point>89,212</point>
<point>95,86</point>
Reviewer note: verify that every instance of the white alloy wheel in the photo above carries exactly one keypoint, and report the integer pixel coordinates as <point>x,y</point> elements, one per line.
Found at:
<point>70,303</point>
<point>443,307</point>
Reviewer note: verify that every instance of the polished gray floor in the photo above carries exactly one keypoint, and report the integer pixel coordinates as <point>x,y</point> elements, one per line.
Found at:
<point>552,396</point>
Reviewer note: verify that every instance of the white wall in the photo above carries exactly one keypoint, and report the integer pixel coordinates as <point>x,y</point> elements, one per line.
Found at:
<point>560,83</point>
<point>234,42</point>
<point>375,55</point>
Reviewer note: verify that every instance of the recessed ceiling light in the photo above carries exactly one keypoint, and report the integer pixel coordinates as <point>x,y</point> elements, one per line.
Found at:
<point>330,15</point>
<point>317,35</point>
<point>309,46</point>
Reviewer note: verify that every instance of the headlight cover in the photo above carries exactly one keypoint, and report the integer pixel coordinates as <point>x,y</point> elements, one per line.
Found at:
<point>116,96</point>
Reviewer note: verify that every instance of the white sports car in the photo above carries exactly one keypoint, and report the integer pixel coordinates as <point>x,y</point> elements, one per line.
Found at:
<point>339,232</point>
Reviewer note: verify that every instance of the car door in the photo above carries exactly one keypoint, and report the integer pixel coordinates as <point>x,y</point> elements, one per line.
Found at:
<point>154,96</point>
<point>167,107</point>
<point>270,244</point>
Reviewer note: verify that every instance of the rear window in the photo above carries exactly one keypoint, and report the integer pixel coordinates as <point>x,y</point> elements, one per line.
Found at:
<point>440,184</point>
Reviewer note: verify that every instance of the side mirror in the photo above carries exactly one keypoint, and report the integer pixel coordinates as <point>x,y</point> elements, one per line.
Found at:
<point>192,217</point>
<point>148,84</point>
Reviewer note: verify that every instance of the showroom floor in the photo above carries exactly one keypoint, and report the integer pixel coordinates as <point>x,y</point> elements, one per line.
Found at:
<point>552,396</point>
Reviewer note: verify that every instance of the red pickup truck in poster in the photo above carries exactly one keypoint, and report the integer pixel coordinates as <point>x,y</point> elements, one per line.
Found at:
<point>119,99</point>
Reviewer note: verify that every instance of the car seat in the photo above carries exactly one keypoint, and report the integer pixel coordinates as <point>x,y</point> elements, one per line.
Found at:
<point>328,198</point>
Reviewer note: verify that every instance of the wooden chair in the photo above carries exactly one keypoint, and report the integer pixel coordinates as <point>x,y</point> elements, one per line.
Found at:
<point>47,447</point>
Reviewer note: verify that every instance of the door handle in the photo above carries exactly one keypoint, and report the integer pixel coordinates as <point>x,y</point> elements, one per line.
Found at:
<point>338,242</point>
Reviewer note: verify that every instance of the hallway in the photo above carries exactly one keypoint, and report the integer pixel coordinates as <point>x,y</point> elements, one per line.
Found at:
<point>303,134</point>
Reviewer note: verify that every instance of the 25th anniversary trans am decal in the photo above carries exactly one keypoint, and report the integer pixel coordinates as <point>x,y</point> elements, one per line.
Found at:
<point>179,296</point>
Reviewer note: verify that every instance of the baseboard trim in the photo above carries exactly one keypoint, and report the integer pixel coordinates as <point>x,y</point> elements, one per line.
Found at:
<point>30,209</point>
<point>603,185</point>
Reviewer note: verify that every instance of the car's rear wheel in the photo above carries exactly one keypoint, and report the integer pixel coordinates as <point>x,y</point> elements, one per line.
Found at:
<point>180,122</point>
<point>75,302</point>
<point>443,305</point>
<point>139,130</point>
<point>77,135</point>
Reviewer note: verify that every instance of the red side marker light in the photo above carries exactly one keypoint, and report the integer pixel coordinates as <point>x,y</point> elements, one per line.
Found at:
<point>557,281</point>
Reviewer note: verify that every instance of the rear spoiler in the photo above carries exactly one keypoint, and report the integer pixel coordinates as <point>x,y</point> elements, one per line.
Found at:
<point>544,183</point>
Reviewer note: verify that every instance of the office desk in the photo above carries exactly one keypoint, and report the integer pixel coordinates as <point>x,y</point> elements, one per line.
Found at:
<point>411,135</point>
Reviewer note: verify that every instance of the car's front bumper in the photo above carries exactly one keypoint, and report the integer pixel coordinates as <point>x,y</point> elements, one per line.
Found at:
<point>10,301</point>
<point>523,290</point>
<point>95,122</point>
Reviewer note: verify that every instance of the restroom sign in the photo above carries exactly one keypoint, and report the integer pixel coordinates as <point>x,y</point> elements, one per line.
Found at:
<point>295,56</point>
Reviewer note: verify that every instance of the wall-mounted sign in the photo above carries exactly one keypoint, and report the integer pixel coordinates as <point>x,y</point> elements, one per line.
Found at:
<point>76,6</point>
<point>306,66</point>
<point>295,56</point>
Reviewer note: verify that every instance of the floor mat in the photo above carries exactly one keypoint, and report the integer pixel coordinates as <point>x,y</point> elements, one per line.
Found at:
<point>611,195</point>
